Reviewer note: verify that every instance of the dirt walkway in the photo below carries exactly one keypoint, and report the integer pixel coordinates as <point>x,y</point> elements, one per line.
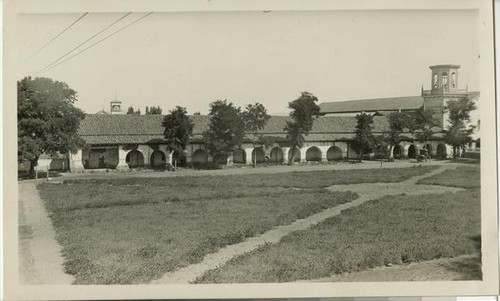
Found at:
<point>246,170</point>
<point>367,192</point>
<point>466,267</point>
<point>39,253</point>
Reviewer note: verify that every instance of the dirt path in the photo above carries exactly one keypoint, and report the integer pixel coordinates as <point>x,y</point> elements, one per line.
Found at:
<point>250,170</point>
<point>367,192</point>
<point>40,256</point>
<point>467,267</point>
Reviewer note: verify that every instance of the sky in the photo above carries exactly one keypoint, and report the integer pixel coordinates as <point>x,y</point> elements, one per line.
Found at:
<point>192,59</point>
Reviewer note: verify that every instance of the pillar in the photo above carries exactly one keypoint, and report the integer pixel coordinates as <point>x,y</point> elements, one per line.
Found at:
<point>303,154</point>
<point>248,156</point>
<point>285,154</point>
<point>75,161</point>
<point>122,155</point>
<point>230,159</point>
<point>169,155</point>
<point>324,153</point>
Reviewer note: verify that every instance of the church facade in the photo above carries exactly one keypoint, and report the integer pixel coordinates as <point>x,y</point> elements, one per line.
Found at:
<point>121,141</point>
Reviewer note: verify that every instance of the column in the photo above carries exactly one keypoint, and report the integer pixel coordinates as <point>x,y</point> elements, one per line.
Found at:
<point>449,151</point>
<point>189,154</point>
<point>75,161</point>
<point>169,156</point>
<point>303,152</point>
<point>122,164</point>
<point>230,160</point>
<point>286,150</point>
<point>324,153</point>
<point>248,156</point>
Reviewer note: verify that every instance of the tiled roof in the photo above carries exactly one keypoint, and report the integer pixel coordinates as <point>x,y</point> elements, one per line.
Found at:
<point>135,129</point>
<point>377,104</point>
<point>372,105</point>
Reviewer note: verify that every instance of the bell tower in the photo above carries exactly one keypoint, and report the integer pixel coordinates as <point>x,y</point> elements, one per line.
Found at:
<point>116,107</point>
<point>444,87</point>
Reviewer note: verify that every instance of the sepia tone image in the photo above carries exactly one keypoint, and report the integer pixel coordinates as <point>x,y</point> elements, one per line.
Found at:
<point>249,147</point>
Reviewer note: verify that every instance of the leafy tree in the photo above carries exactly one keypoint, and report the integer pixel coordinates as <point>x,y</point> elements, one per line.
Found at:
<point>47,121</point>
<point>255,118</point>
<point>364,140</point>
<point>399,122</point>
<point>382,146</point>
<point>153,110</point>
<point>458,134</point>
<point>423,124</point>
<point>225,131</point>
<point>178,130</point>
<point>196,113</point>
<point>132,111</point>
<point>304,109</point>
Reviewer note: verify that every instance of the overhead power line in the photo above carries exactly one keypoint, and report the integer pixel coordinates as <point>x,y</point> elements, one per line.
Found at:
<point>58,35</point>
<point>87,40</point>
<point>101,40</point>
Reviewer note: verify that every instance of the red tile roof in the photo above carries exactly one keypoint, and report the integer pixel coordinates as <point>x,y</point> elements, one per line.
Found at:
<point>137,129</point>
<point>377,104</point>
<point>372,105</point>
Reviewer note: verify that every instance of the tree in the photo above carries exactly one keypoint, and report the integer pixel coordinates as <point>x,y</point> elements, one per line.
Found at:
<point>47,121</point>
<point>255,118</point>
<point>423,124</point>
<point>178,130</point>
<point>225,131</point>
<point>364,141</point>
<point>132,111</point>
<point>303,111</point>
<point>398,123</point>
<point>153,110</point>
<point>458,134</point>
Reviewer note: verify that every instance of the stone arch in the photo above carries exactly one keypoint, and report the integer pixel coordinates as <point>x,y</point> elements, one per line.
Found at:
<point>277,155</point>
<point>158,159</point>
<point>135,159</point>
<point>239,156</point>
<point>398,151</point>
<point>297,154</point>
<point>441,151</point>
<point>259,155</point>
<point>313,154</point>
<point>412,151</point>
<point>334,153</point>
<point>200,156</point>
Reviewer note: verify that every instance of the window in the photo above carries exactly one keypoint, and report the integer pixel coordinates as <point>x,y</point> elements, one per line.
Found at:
<point>435,81</point>
<point>445,79</point>
<point>453,80</point>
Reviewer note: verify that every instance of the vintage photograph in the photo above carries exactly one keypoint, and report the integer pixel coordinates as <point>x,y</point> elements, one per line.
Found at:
<point>246,147</point>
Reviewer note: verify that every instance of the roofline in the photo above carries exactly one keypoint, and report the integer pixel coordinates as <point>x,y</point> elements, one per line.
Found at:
<point>358,111</point>
<point>445,66</point>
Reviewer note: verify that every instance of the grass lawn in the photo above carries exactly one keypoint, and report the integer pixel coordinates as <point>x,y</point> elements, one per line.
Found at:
<point>133,230</point>
<point>463,176</point>
<point>298,179</point>
<point>392,230</point>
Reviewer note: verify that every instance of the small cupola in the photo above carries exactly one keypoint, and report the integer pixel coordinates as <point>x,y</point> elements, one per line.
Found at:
<point>116,107</point>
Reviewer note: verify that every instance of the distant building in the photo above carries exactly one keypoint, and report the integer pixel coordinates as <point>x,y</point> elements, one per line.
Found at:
<point>122,141</point>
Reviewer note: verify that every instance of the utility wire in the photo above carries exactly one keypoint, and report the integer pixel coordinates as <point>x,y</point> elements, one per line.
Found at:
<point>101,40</point>
<point>58,35</point>
<point>93,36</point>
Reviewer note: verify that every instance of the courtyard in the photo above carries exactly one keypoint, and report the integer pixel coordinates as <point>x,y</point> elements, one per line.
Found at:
<point>276,224</point>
